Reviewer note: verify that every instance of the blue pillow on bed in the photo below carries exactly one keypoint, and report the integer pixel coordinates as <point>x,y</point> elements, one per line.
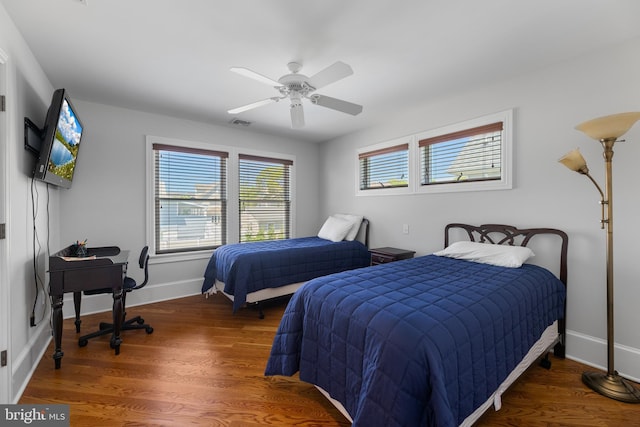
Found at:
<point>485,253</point>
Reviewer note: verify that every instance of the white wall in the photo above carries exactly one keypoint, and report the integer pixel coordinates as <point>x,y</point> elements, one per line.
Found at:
<point>107,201</point>
<point>28,94</point>
<point>548,104</point>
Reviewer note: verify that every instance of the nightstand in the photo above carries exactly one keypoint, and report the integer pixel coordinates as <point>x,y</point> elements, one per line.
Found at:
<point>385,255</point>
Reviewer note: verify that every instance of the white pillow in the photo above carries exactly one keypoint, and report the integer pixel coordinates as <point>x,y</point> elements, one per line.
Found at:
<point>355,221</point>
<point>334,229</point>
<point>501,255</point>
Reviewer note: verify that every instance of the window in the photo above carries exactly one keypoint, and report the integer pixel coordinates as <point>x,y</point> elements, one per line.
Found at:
<point>190,202</point>
<point>384,168</point>
<point>466,155</point>
<point>474,155</point>
<point>264,198</point>
<point>201,196</point>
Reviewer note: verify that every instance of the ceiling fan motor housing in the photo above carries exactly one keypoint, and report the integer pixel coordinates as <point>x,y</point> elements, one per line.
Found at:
<point>295,83</point>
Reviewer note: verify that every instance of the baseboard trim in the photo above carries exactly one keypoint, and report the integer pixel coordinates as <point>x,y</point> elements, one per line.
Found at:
<point>23,367</point>
<point>592,351</point>
<point>149,294</point>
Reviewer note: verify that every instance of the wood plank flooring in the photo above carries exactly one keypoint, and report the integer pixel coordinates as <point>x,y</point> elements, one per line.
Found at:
<point>203,366</point>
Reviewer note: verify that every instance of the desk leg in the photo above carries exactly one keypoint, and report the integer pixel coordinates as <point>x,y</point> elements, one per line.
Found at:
<point>56,305</point>
<point>117,320</point>
<point>77,299</point>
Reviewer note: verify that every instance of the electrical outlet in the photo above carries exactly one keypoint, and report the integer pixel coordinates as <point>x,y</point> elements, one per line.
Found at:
<point>405,228</point>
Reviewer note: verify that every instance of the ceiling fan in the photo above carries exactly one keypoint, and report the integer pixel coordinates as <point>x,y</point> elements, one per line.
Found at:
<point>296,86</point>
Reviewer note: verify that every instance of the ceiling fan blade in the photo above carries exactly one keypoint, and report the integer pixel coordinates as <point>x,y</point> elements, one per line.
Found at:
<point>253,105</point>
<point>336,104</point>
<point>255,76</point>
<point>331,74</point>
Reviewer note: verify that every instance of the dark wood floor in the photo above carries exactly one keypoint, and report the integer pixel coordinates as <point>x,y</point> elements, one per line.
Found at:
<point>203,366</point>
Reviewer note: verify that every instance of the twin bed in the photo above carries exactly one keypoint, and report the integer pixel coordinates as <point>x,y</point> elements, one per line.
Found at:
<point>249,273</point>
<point>433,340</point>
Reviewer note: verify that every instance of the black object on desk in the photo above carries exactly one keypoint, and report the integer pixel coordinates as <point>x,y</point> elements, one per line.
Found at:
<point>104,267</point>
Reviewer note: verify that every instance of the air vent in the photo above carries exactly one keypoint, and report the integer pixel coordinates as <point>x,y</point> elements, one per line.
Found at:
<point>239,122</point>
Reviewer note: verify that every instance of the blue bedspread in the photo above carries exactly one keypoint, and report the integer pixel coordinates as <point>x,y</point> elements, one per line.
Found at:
<point>417,342</point>
<point>249,267</point>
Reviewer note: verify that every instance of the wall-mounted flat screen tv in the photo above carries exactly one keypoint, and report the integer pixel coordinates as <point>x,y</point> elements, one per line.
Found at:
<point>62,135</point>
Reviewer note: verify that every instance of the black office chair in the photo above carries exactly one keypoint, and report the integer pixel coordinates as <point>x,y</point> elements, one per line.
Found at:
<point>128,285</point>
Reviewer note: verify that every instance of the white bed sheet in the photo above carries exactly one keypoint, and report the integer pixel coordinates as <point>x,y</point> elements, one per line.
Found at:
<point>261,295</point>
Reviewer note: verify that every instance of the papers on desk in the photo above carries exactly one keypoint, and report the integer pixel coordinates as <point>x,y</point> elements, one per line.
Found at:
<point>75,258</point>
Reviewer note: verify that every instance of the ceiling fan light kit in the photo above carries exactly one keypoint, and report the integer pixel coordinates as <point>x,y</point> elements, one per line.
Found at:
<point>297,113</point>
<point>296,86</point>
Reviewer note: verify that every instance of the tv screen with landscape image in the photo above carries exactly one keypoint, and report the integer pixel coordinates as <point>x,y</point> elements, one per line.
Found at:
<point>62,135</point>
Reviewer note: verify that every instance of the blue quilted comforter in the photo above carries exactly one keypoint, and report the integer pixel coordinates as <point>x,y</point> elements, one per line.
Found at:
<point>417,342</point>
<point>250,267</point>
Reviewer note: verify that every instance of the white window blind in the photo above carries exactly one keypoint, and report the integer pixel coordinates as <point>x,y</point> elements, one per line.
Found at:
<point>190,198</point>
<point>467,155</point>
<point>384,168</point>
<point>265,198</point>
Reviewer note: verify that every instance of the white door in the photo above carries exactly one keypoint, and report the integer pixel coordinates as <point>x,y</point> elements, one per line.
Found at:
<point>5,370</point>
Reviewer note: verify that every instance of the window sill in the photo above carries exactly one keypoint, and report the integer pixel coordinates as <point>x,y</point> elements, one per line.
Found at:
<point>180,257</point>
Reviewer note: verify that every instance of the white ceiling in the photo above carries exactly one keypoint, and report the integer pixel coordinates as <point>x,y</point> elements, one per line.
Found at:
<point>173,56</point>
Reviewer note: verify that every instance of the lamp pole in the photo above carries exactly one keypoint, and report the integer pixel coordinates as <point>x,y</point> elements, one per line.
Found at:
<point>611,385</point>
<point>607,144</point>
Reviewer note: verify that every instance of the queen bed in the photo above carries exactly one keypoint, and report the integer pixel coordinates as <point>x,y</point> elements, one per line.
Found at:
<point>433,340</point>
<point>257,271</point>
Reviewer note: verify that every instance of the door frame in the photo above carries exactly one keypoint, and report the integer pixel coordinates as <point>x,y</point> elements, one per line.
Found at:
<point>5,294</point>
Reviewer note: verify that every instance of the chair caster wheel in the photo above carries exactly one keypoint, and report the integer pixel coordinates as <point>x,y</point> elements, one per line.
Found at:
<point>140,321</point>
<point>149,329</point>
<point>83,343</point>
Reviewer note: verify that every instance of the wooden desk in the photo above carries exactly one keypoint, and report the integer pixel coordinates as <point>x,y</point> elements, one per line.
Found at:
<point>105,267</point>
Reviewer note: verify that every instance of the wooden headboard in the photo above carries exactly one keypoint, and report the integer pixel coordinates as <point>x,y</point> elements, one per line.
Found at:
<point>500,234</point>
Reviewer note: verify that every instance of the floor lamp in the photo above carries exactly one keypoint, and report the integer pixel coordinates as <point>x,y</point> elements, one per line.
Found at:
<point>607,130</point>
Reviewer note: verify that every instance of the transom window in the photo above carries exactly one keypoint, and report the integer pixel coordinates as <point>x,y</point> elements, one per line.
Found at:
<point>474,155</point>
<point>387,167</point>
<point>466,155</point>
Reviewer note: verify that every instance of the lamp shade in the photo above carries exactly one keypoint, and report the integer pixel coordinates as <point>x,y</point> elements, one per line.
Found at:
<point>606,127</point>
<point>574,161</point>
